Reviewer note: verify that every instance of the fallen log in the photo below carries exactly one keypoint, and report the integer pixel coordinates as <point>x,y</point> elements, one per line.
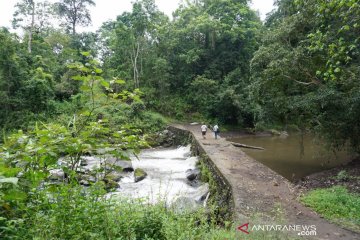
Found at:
<point>246,146</point>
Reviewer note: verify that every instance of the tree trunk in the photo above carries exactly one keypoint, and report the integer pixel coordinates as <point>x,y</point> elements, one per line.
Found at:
<point>246,146</point>
<point>134,60</point>
<point>31,26</point>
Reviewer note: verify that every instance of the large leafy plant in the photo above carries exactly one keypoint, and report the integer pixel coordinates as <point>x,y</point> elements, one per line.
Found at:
<point>26,158</point>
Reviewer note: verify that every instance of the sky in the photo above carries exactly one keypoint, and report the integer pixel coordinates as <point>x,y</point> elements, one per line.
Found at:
<point>109,9</point>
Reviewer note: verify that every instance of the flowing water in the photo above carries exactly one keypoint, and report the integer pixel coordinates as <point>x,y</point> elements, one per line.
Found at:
<point>294,156</point>
<point>166,177</point>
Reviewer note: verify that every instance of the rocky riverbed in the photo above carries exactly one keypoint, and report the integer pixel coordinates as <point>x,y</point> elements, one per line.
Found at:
<point>156,175</point>
<point>170,176</point>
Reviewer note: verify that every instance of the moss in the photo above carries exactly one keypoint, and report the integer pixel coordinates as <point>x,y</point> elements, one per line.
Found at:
<point>139,174</point>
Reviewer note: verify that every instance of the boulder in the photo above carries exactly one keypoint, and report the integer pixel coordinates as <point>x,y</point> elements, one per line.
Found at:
<point>192,174</point>
<point>201,193</point>
<point>115,176</point>
<point>57,174</point>
<point>82,170</point>
<point>83,162</point>
<point>139,175</point>
<point>126,166</point>
<point>185,204</point>
<point>84,183</point>
<point>110,184</point>
<point>88,178</point>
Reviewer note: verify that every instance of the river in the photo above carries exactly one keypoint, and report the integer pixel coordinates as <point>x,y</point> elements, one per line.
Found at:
<point>166,179</point>
<point>293,156</point>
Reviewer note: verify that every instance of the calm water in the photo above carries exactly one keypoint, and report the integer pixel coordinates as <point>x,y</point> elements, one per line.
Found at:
<point>294,156</point>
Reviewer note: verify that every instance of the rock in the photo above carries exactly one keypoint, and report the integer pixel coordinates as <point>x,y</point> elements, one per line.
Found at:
<point>81,170</point>
<point>57,175</point>
<point>110,184</point>
<point>192,174</point>
<point>126,166</point>
<point>194,123</point>
<point>20,164</point>
<point>139,174</point>
<point>84,183</point>
<point>115,176</point>
<point>185,204</point>
<point>90,163</point>
<point>284,134</point>
<point>275,132</point>
<point>202,193</point>
<point>83,162</point>
<point>187,154</point>
<point>88,178</point>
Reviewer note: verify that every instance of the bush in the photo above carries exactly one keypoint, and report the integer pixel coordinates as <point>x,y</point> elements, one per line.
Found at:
<point>73,212</point>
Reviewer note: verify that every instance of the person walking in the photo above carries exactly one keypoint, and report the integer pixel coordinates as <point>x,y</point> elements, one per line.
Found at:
<point>203,130</point>
<point>216,130</point>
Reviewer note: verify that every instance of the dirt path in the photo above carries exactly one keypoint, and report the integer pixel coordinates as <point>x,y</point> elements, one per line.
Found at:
<point>259,192</point>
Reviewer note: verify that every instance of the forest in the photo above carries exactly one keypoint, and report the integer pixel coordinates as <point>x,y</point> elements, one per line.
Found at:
<point>69,93</point>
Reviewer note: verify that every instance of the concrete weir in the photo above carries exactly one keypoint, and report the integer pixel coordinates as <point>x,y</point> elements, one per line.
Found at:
<point>249,192</point>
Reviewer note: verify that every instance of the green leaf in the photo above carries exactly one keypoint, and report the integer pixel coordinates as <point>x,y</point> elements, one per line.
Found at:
<point>98,70</point>
<point>77,78</point>
<point>85,113</point>
<point>15,195</point>
<point>105,84</point>
<point>85,88</point>
<point>119,81</point>
<point>86,54</point>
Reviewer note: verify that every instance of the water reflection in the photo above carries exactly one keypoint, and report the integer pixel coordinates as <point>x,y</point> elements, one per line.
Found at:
<point>294,156</point>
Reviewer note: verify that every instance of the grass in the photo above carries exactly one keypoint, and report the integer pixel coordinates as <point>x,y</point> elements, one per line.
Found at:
<point>337,205</point>
<point>72,212</point>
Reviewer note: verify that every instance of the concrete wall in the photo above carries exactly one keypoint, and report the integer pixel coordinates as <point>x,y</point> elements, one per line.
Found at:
<point>220,189</point>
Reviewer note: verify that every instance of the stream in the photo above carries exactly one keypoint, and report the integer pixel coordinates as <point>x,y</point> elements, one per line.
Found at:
<point>166,179</point>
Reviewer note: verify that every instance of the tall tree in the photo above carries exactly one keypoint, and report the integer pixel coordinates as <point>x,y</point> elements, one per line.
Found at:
<point>74,13</point>
<point>135,35</point>
<point>33,17</point>
<point>306,71</point>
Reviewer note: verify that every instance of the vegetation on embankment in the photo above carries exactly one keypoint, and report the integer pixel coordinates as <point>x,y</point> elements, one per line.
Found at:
<point>335,194</point>
<point>336,204</point>
<point>72,212</point>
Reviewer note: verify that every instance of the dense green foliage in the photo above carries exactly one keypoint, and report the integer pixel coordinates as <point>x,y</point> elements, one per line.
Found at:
<point>197,64</point>
<point>71,212</point>
<point>306,70</point>
<point>336,204</point>
<point>214,61</point>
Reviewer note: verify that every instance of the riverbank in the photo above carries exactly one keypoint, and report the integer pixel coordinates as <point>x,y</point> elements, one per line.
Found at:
<point>335,194</point>
<point>347,175</point>
<point>261,195</point>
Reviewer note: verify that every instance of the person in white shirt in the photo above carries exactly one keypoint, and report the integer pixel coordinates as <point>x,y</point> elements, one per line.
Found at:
<point>203,130</point>
<point>216,130</point>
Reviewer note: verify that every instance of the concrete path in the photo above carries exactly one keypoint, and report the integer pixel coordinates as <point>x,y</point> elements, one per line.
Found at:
<point>262,196</point>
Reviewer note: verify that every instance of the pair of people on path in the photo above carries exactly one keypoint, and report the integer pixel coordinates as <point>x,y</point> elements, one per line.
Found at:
<point>215,129</point>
